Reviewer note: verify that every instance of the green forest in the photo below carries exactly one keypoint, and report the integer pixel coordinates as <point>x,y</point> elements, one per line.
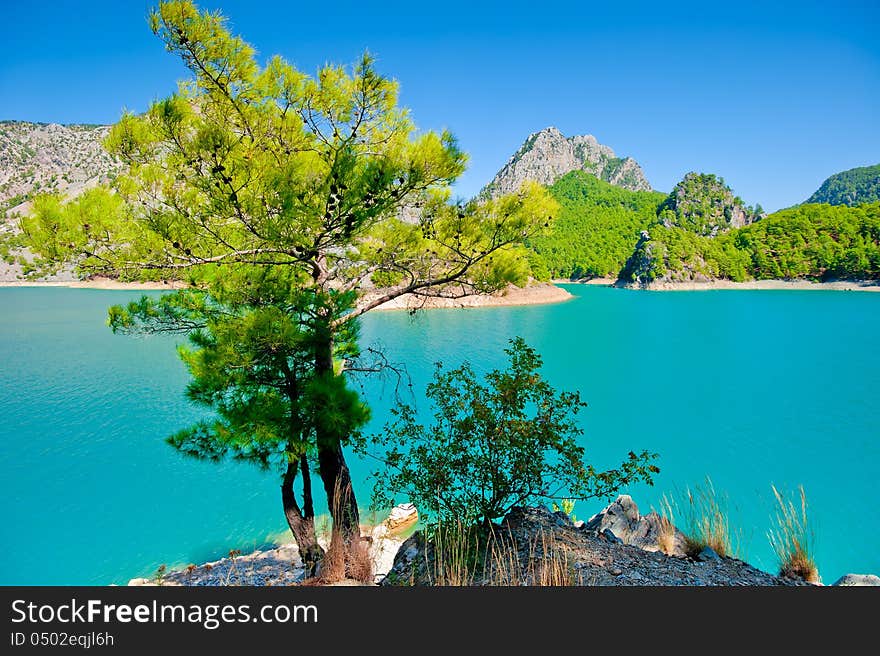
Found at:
<point>861,185</point>
<point>815,241</point>
<point>597,233</point>
<point>595,229</point>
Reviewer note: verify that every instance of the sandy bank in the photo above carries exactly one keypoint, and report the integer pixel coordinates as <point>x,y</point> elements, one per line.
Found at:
<point>534,294</point>
<point>95,283</point>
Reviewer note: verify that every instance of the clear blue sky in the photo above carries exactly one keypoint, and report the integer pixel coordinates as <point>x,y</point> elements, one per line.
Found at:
<point>774,97</point>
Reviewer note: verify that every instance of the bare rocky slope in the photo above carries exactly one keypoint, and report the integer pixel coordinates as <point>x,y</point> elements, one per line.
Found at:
<point>47,157</point>
<point>548,155</point>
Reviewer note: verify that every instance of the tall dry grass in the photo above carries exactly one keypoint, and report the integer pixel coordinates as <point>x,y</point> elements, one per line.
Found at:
<point>707,521</point>
<point>793,537</point>
<point>456,554</point>
<point>465,555</point>
<point>666,528</point>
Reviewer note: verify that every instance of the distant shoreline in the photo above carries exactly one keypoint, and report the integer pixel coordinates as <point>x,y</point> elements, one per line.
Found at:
<point>97,283</point>
<point>792,285</point>
<point>535,294</point>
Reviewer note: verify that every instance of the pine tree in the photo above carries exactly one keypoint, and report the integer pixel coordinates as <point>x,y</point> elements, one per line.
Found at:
<point>249,168</point>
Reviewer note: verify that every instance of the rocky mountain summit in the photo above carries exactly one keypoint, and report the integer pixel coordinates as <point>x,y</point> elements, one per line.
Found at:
<point>47,157</point>
<point>548,155</point>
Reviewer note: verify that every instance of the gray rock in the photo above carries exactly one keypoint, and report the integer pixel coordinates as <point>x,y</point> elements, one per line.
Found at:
<point>623,519</point>
<point>708,555</point>
<point>562,519</point>
<point>548,155</point>
<point>620,517</point>
<point>858,580</point>
<point>608,534</point>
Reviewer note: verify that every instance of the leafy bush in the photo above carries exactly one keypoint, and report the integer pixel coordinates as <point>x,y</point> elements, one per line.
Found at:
<point>509,441</point>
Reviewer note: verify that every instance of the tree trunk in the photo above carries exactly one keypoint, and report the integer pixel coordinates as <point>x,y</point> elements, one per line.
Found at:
<point>331,461</point>
<point>301,522</point>
<point>340,496</point>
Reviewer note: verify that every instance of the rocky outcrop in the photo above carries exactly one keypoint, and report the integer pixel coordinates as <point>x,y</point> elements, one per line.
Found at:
<point>699,208</point>
<point>858,580</point>
<point>279,566</point>
<point>548,155</point>
<point>534,546</point>
<point>703,204</point>
<point>650,266</point>
<point>386,538</point>
<point>649,532</point>
<point>640,267</point>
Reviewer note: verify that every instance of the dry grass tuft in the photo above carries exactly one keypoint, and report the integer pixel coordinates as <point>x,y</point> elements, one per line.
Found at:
<point>550,566</point>
<point>333,565</point>
<point>666,528</point>
<point>359,562</point>
<point>708,522</point>
<point>347,557</point>
<point>793,537</point>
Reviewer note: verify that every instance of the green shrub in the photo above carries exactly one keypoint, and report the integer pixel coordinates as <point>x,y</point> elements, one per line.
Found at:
<point>509,441</point>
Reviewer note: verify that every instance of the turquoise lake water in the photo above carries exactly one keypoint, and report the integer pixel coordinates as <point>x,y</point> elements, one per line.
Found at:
<point>748,387</point>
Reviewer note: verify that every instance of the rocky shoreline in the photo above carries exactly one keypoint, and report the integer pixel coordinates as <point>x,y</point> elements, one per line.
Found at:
<point>282,565</point>
<point>792,285</point>
<point>616,547</point>
<point>708,285</point>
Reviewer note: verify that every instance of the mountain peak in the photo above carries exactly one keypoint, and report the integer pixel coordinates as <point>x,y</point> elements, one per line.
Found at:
<point>547,155</point>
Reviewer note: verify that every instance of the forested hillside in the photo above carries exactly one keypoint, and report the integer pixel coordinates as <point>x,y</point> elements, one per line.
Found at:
<point>853,187</point>
<point>816,241</point>
<point>596,229</point>
<point>701,231</point>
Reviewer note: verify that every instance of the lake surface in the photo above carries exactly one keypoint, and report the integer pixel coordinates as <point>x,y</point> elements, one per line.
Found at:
<point>747,387</point>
